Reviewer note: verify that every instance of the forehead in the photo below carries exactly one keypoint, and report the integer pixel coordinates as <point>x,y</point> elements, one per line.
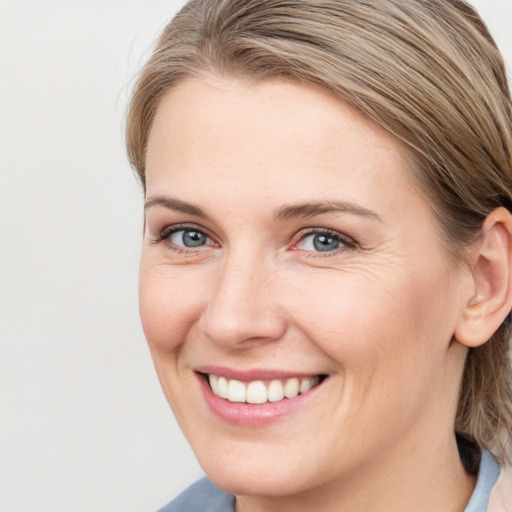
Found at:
<point>265,128</point>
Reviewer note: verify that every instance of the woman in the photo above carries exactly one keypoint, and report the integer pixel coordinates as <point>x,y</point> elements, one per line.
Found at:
<point>325,279</point>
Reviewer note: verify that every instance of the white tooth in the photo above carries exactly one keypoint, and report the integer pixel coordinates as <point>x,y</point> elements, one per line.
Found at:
<point>236,391</point>
<point>214,384</point>
<point>223,387</point>
<point>291,388</point>
<point>275,391</point>
<point>256,392</point>
<point>307,384</point>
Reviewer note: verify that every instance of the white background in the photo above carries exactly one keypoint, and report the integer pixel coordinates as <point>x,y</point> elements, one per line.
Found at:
<point>83,424</point>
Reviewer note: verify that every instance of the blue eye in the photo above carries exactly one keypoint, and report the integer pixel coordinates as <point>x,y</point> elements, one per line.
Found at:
<point>323,242</point>
<point>188,238</point>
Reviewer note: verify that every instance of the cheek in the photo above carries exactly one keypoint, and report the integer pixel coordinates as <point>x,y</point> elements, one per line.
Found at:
<point>169,304</point>
<point>389,343</point>
<point>371,324</point>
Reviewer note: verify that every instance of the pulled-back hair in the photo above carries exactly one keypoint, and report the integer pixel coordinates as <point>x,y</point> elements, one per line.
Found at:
<point>427,71</point>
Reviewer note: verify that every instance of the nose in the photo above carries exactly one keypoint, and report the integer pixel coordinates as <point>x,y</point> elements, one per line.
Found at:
<point>243,310</point>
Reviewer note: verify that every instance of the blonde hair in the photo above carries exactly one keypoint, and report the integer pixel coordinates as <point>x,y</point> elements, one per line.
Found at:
<point>425,70</point>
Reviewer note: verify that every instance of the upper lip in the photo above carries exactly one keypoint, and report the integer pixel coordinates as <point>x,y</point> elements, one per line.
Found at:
<point>249,375</point>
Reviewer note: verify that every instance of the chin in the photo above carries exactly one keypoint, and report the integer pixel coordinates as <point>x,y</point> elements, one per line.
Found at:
<point>260,471</point>
<point>274,482</point>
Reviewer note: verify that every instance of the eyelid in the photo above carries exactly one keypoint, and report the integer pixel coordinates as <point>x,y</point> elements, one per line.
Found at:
<point>347,241</point>
<point>164,235</point>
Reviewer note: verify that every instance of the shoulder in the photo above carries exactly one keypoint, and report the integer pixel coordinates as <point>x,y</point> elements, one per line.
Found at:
<point>200,497</point>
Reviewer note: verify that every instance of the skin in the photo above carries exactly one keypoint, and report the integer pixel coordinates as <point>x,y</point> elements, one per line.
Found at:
<point>377,314</point>
<point>501,497</point>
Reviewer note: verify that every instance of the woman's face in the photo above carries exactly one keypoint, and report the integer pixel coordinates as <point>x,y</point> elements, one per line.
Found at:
<point>285,246</point>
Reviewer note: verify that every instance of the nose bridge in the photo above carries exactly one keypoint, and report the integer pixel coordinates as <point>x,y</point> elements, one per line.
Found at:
<point>243,306</point>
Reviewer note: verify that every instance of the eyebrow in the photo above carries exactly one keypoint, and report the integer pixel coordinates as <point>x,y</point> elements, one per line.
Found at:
<point>286,212</point>
<point>175,204</point>
<point>311,209</point>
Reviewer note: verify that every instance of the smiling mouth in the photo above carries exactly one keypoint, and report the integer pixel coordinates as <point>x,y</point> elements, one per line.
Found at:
<point>259,391</point>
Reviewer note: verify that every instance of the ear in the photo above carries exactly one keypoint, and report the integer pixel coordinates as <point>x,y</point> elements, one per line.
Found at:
<point>490,300</point>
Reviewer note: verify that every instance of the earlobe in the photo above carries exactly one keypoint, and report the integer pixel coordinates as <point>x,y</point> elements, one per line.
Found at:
<point>491,271</point>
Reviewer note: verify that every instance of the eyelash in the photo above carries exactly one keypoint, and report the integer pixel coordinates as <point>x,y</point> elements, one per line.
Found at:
<point>166,233</point>
<point>348,243</point>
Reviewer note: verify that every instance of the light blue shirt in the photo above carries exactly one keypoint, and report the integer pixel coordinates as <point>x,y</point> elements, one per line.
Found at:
<point>487,476</point>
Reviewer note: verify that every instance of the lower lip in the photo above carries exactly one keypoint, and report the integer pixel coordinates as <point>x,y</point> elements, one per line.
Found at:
<point>252,415</point>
